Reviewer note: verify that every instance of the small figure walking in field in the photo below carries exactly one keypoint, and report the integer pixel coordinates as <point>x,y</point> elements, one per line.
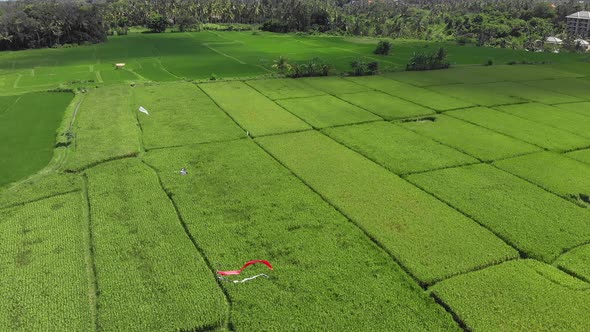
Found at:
<point>183,171</point>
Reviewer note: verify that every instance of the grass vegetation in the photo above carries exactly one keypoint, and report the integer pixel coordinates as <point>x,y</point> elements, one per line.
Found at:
<point>28,127</point>
<point>150,275</point>
<point>284,88</point>
<point>44,280</point>
<point>528,131</point>
<point>252,110</point>
<point>327,111</point>
<point>249,206</point>
<point>581,155</point>
<point>38,187</point>
<point>398,149</point>
<point>520,295</point>
<point>538,223</point>
<point>431,240</point>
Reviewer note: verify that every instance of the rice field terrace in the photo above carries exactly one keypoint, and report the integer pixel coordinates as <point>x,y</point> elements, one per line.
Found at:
<point>409,201</point>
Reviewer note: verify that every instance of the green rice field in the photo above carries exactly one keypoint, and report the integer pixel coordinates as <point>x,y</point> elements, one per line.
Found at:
<point>451,200</point>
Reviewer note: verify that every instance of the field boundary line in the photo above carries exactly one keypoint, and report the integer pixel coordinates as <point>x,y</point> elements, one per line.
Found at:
<point>447,308</point>
<point>281,107</point>
<point>200,250</point>
<point>224,54</point>
<point>364,109</point>
<point>93,290</point>
<point>571,273</point>
<point>38,199</point>
<point>98,76</point>
<point>221,108</point>
<point>15,84</point>
<point>139,126</point>
<point>193,144</point>
<point>166,69</point>
<point>100,162</point>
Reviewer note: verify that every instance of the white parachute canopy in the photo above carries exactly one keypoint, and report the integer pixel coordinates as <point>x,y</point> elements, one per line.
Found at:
<point>143,110</point>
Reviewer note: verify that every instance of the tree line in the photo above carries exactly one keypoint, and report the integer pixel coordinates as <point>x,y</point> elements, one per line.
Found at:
<point>499,23</point>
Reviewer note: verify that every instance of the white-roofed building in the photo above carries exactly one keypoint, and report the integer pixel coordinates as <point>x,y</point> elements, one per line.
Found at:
<point>578,24</point>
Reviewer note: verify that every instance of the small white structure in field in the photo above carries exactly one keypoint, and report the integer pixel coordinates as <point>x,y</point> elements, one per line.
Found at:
<point>554,40</point>
<point>119,65</point>
<point>143,110</point>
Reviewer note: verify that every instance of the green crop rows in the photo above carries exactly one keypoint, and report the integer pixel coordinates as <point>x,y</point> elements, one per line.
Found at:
<point>392,202</point>
<point>539,224</point>
<point>430,239</point>
<point>248,206</point>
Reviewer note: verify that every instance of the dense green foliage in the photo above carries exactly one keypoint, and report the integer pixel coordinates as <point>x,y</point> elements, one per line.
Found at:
<point>27,132</point>
<point>326,111</point>
<point>150,275</point>
<point>429,61</point>
<point>383,47</point>
<point>239,204</point>
<point>522,295</point>
<point>538,223</point>
<point>44,274</point>
<point>36,24</point>
<point>431,240</point>
<point>397,149</point>
<point>526,130</point>
<point>556,173</point>
<point>252,110</point>
<point>180,114</point>
<point>105,128</point>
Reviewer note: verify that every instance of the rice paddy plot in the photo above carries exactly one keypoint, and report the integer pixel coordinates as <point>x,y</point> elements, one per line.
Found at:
<point>540,224</point>
<point>239,204</point>
<point>477,94</point>
<point>105,128</point>
<point>519,73</point>
<point>38,187</point>
<point>431,240</point>
<point>151,69</point>
<point>411,93</point>
<point>181,114</point>
<point>398,149</point>
<point>44,276</point>
<point>284,88</point>
<point>384,105</point>
<point>561,175</point>
<point>526,92</point>
<point>6,102</point>
<point>526,130</point>
<point>27,133</point>
<point>326,111</point>
<point>521,295</point>
<point>149,274</point>
<point>551,116</point>
<point>568,86</point>
<point>581,155</point>
<point>252,110</point>
<point>576,262</point>
<point>580,108</point>
<point>474,140</point>
<point>335,85</point>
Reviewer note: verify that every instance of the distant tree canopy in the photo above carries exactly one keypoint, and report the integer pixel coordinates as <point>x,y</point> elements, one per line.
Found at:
<point>500,23</point>
<point>35,24</point>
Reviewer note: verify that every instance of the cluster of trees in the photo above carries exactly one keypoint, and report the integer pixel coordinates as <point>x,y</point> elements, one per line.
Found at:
<point>429,61</point>
<point>501,23</point>
<point>36,24</point>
